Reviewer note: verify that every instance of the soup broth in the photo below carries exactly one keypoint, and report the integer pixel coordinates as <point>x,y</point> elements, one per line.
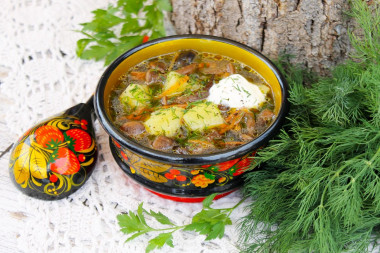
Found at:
<point>191,102</point>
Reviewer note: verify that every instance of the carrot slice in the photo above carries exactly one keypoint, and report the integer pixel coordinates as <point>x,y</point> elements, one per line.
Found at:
<point>231,115</point>
<point>173,61</point>
<point>139,114</point>
<point>202,142</point>
<point>178,105</point>
<point>225,74</point>
<point>234,142</point>
<point>233,122</point>
<point>237,128</point>
<point>174,87</point>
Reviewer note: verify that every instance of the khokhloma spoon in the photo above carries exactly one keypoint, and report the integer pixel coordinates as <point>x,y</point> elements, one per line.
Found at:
<point>55,158</point>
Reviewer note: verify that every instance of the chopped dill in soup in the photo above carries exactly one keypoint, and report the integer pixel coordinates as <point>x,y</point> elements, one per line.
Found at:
<point>191,102</point>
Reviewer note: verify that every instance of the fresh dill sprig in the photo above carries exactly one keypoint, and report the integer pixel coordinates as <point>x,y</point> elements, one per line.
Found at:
<point>367,41</point>
<point>319,187</point>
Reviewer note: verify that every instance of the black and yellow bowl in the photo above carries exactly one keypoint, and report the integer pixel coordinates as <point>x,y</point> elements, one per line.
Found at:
<point>187,178</point>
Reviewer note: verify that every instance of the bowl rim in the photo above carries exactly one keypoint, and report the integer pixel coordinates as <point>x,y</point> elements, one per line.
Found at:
<point>179,159</point>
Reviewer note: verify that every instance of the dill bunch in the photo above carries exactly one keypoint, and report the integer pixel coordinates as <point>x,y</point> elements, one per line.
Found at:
<point>319,189</point>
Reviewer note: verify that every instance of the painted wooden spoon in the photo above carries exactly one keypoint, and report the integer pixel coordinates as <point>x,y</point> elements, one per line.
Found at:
<point>55,158</point>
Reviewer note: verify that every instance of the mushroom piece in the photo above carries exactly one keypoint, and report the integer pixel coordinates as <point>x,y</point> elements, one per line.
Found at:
<point>230,68</point>
<point>152,76</point>
<point>217,67</point>
<point>133,128</point>
<point>212,68</point>
<point>213,135</point>
<point>187,70</point>
<point>249,120</point>
<point>185,58</point>
<point>246,137</point>
<point>201,149</point>
<point>164,100</point>
<point>157,65</point>
<point>266,115</point>
<point>263,119</point>
<point>163,143</point>
<point>137,76</point>
<point>181,150</point>
<point>223,108</point>
<point>191,98</point>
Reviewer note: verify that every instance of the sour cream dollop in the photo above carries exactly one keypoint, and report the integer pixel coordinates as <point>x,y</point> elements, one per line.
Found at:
<point>236,92</point>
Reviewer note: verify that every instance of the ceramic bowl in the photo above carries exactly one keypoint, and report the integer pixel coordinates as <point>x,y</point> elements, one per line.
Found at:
<point>187,178</point>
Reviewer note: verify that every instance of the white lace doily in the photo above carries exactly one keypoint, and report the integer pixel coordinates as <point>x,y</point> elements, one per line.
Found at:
<point>40,75</point>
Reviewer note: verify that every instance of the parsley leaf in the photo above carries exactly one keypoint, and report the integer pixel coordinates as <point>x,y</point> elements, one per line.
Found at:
<point>131,223</point>
<point>209,221</point>
<point>159,241</point>
<point>208,200</point>
<point>120,27</point>
<point>160,217</point>
<point>164,5</point>
<point>131,6</point>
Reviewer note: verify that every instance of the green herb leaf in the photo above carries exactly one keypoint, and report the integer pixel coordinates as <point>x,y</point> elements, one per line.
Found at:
<point>208,200</point>
<point>160,218</point>
<point>366,15</point>
<point>96,52</point>
<point>135,235</point>
<point>321,183</point>
<point>217,231</point>
<point>131,6</point>
<point>131,223</point>
<point>140,214</point>
<point>129,26</point>
<point>164,5</point>
<point>211,216</point>
<point>104,38</point>
<point>159,241</point>
<point>81,45</point>
<point>121,48</point>
<point>209,221</point>
<point>103,19</point>
<point>201,228</point>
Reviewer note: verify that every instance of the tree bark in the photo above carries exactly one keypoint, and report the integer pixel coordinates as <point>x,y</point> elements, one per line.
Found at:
<point>313,31</point>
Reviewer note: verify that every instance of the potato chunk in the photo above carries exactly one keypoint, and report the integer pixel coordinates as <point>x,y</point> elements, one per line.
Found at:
<point>175,84</point>
<point>203,116</point>
<point>264,89</point>
<point>165,121</point>
<point>134,96</point>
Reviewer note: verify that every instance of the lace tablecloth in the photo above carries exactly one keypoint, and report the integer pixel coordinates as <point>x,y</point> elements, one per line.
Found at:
<point>40,75</point>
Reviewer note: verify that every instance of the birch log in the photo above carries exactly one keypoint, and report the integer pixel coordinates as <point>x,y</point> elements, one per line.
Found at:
<point>314,31</point>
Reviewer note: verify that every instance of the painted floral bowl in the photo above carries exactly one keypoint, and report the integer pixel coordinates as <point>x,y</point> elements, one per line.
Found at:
<point>187,178</point>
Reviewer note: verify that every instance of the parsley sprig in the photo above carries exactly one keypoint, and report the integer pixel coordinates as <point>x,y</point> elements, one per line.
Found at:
<point>121,27</point>
<point>209,221</point>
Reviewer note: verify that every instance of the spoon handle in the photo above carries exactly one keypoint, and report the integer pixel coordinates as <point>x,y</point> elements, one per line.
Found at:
<point>90,102</point>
